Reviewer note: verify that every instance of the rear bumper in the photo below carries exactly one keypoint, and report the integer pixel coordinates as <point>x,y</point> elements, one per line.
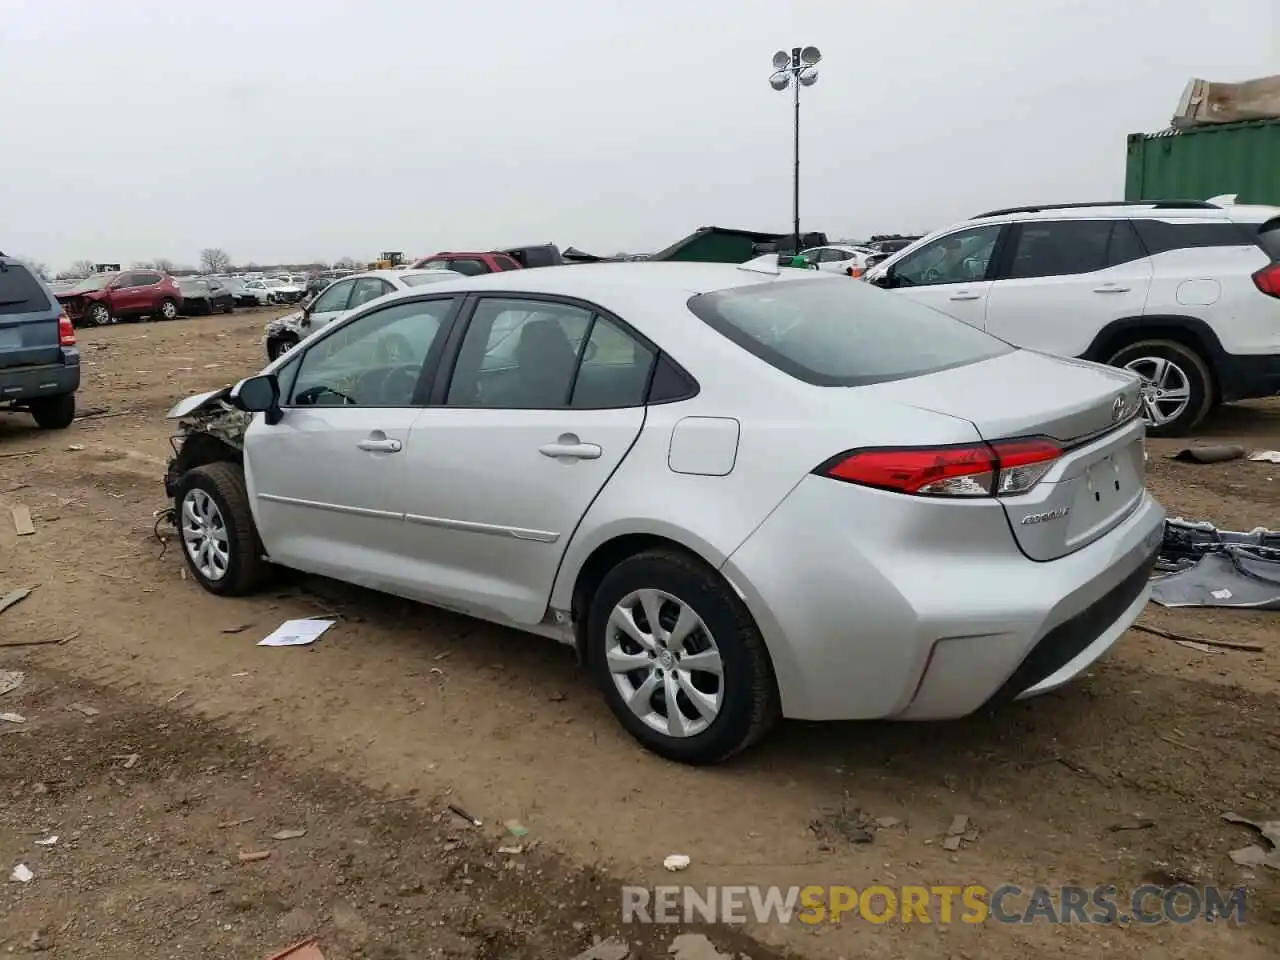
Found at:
<point>1249,376</point>
<point>47,380</point>
<point>875,605</point>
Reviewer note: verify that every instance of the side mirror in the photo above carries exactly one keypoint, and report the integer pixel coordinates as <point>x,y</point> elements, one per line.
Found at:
<point>260,394</point>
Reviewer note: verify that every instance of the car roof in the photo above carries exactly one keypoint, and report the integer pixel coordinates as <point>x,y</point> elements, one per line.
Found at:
<point>596,280</point>
<point>1166,210</point>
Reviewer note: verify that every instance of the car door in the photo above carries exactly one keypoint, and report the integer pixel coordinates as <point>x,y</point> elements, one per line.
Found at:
<point>331,304</point>
<point>146,293</point>
<point>951,273</point>
<point>545,401</point>
<point>125,295</point>
<point>331,480</point>
<point>1059,282</point>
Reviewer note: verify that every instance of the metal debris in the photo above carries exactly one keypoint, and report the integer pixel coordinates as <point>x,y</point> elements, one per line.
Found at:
<point>1257,855</point>
<point>11,680</point>
<point>14,596</point>
<point>458,811</point>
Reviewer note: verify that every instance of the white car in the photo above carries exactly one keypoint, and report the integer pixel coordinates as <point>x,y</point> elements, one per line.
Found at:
<point>1184,293</point>
<point>738,494</point>
<point>259,291</point>
<point>284,333</point>
<point>837,258</point>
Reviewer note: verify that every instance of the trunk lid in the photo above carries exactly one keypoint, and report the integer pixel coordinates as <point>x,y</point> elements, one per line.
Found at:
<point>1090,409</point>
<point>28,319</point>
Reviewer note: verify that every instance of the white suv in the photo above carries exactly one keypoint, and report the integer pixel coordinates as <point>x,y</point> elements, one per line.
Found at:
<point>1184,293</point>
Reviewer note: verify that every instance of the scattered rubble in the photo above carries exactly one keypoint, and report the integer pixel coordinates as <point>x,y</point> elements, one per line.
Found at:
<point>11,680</point>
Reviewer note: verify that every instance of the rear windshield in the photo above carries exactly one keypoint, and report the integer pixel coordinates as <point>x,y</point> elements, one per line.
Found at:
<point>1269,238</point>
<point>842,333</point>
<point>20,292</point>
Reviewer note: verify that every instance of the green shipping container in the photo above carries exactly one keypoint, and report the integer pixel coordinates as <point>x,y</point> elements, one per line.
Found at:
<point>1204,162</point>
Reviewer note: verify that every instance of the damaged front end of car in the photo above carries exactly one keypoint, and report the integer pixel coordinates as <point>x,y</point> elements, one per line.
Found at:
<point>210,430</point>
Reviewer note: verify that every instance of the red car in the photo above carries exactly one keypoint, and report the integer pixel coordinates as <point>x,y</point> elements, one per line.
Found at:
<point>101,298</point>
<point>471,264</point>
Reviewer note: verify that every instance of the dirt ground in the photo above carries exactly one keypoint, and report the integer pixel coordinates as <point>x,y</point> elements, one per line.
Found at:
<point>363,739</point>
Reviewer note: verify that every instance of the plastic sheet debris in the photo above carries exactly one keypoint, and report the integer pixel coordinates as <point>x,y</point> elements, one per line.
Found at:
<point>296,633</point>
<point>1265,456</point>
<point>1203,566</point>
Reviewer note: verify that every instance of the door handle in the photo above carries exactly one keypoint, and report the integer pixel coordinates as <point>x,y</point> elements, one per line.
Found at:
<point>963,295</point>
<point>378,442</point>
<point>569,447</point>
<point>1110,288</point>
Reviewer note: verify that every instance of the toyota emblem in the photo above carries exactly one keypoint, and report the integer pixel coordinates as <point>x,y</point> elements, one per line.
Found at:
<point>1117,408</point>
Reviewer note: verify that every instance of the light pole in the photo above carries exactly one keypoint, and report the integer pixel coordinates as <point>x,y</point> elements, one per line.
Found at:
<point>795,69</point>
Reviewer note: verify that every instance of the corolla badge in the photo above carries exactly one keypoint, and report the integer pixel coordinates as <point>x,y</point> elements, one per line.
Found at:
<point>1034,518</point>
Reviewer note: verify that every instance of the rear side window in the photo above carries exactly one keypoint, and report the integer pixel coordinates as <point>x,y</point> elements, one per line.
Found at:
<point>1058,248</point>
<point>1160,236</point>
<point>840,334</point>
<point>1269,238</point>
<point>20,291</point>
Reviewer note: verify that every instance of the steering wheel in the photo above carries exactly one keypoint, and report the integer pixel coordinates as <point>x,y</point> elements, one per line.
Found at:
<point>311,397</point>
<point>932,275</point>
<point>400,382</point>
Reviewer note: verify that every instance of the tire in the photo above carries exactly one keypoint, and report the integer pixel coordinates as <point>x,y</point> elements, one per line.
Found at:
<point>98,315</point>
<point>747,692</point>
<point>229,307</point>
<point>277,346</point>
<point>242,568</point>
<point>54,413</point>
<point>168,309</point>
<point>1179,368</point>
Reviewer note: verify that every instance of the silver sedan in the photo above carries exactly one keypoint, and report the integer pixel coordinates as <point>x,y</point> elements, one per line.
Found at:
<point>740,493</point>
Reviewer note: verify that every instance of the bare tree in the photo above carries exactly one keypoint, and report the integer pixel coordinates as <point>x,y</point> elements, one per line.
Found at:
<point>215,260</point>
<point>346,263</point>
<point>163,263</point>
<point>81,268</point>
<point>143,265</point>
<point>35,266</point>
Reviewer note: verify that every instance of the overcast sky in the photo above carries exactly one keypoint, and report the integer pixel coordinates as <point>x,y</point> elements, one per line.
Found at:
<point>135,129</point>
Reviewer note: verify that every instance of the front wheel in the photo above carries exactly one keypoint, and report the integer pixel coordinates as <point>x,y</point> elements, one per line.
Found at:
<point>168,309</point>
<point>98,315</point>
<point>278,346</point>
<point>679,659</point>
<point>219,540</point>
<point>54,413</point>
<point>1177,388</point>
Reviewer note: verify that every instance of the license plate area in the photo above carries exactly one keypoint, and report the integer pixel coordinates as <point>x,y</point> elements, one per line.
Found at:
<point>1107,491</point>
<point>10,338</point>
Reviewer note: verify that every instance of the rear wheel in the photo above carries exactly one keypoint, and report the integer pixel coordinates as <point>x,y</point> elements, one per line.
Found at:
<point>219,540</point>
<point>679,659</point>
<point>168,309</point>
<point>54,413</point>
<point>1177,388</point>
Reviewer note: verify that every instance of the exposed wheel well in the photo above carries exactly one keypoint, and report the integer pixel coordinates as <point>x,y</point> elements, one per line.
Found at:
<point>197,450</point>
<point>603,559</point>
<point>1109,343</point>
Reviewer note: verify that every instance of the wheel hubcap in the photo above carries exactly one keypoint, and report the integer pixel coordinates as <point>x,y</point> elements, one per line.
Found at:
<point>204,534</point>
<point>99,314</point>
<point>665,663</point>
<point>1166,389</point>
<point>168,311</point>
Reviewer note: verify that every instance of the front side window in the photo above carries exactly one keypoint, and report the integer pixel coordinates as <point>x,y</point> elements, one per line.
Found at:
<point>334,298</point>
<point>374,361</point>
<point>960,257</point>
<point>842,334</point>
<point>146,279</point>
<point>519,354</point>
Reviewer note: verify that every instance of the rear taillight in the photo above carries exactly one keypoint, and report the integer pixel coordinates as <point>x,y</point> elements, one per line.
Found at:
<point>1005,468</point>
<point>1268,280</point>
<point>856,272</point>
<point>66,332</point>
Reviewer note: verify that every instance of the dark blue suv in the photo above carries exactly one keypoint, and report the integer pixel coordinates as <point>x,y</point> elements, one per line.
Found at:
<point>39,362</point>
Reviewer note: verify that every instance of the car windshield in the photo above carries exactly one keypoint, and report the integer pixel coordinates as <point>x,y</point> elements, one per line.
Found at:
<point>841,334</point>
<point>274,283</point>
<point>95,281</point>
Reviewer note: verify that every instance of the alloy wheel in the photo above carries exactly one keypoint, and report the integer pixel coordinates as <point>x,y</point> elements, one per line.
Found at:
<point>99,315</point>
<point>204,534</point>
<point>665,663</point>
<point>169,310</point>
<point>1166,389</point>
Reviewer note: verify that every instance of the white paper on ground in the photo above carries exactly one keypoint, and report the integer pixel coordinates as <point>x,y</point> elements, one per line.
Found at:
<point>1265,456</point>
<point>22,874</point>
<point>296,633</point>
